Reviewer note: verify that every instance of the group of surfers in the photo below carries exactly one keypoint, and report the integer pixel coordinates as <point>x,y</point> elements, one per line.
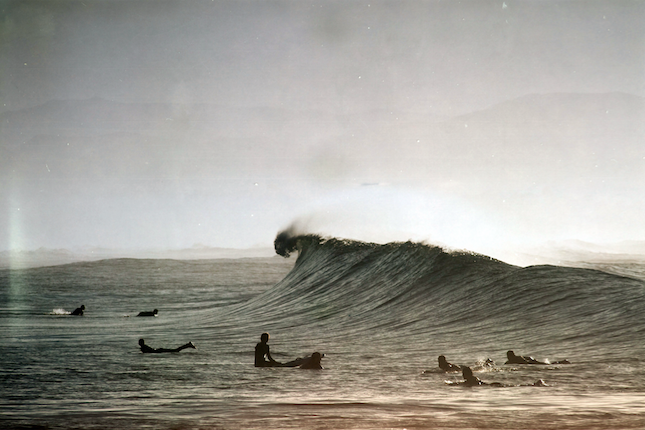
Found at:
<point>471,380</point>
<point>80,310</point>
<point>262,355</point>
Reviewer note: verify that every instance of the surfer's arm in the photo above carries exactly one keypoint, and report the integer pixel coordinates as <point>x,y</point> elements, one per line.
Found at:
<point>147,349</point>
<point>268,355</point>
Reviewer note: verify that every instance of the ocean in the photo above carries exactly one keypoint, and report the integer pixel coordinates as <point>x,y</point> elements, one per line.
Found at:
<point>381,314</point>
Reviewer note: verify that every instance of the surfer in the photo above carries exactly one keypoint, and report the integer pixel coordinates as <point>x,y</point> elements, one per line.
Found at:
<point>148,313</point>
<point>447,367</point>
<point>312,362</point>
<point>78,311</point>
<point>300,361</point>
<point>263,355</point>
<point>471,380</point>
<point>521,359</point>
<point>146,349</point>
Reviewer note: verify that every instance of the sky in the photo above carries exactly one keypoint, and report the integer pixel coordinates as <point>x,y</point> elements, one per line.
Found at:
<point>482,125</point>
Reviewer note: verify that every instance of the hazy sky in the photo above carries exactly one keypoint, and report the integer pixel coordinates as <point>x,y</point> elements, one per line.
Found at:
<point>345,115</point>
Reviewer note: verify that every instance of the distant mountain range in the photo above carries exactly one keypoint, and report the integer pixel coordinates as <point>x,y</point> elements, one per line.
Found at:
<point>572,253</point>
<point>53,257</point>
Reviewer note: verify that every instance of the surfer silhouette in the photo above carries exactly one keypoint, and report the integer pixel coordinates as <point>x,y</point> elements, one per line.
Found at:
<point>312,362</point>
<point>471,380</point>
<point>146,349</point>
<point>447,367</point>
<point>148,313</point>
<point>263,355</point>
<point>78,311</point>
<point>521,359</point>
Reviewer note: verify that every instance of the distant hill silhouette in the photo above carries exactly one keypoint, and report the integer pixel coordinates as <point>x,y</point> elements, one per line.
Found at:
<point>53,257</point>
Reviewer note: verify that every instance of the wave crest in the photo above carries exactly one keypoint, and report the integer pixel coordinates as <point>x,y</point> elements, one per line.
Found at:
<point>427,289</point>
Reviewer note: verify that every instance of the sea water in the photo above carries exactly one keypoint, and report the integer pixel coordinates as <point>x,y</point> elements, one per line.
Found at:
<point>381,314</point>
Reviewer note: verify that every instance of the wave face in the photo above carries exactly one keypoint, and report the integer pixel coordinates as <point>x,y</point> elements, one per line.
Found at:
<point>415,289</point>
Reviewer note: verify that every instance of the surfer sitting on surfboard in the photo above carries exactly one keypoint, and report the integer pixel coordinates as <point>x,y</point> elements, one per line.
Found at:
<point>263,355</point>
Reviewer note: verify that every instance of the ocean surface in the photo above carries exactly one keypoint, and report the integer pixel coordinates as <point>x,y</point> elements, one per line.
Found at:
<point>381,314</point>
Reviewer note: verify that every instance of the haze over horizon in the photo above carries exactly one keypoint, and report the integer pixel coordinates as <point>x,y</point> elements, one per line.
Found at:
<point>486,125</point>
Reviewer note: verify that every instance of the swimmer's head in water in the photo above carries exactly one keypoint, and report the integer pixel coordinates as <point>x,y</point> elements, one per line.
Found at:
<point>155,312</point>
<point>264,337</point>
<point>316,356</point>
<point>442,360</point>
<point>83,307</point>
<point>510,355</point>
<point>141,342</point>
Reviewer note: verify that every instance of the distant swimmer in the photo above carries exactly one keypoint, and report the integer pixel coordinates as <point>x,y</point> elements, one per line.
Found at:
<point>263,355</point>
<point>78,311</point>
<point>146,349</point>
<point>447,367</point>
<point>148,313</point>
<point>520,359</point>
<point>312,362</point>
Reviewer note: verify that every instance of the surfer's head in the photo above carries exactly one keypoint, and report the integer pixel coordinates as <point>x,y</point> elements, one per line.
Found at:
<point>510,355</point>
<point>83,307</point>
<point>442,360</point>
<point>155,312</point>
<point>467,373</point>
<point>264,337</point>
<point>141,342</point>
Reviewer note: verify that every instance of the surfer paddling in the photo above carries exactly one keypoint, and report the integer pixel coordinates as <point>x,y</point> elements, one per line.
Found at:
<point>521,359</point>
<point>470,380</point>
<point>146,349</point>
<point>148,313</point>
<point>78,311</point>
<point>447,367</point>
<point>312,362</point>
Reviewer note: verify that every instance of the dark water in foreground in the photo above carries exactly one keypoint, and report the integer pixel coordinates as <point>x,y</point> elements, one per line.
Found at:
<point>381,314</point>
